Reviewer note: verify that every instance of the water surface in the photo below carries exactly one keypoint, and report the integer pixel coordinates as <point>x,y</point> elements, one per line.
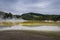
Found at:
<point>36,28</point>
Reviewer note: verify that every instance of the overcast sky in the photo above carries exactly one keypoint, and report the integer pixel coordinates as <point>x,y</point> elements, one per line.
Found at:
<point>23,6</point>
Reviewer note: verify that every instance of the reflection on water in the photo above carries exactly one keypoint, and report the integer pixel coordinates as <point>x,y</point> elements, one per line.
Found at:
<point>38,28</point>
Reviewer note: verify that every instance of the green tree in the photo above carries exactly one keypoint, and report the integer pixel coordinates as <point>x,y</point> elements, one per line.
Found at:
<point>6,15</point>
<point>10,15</point>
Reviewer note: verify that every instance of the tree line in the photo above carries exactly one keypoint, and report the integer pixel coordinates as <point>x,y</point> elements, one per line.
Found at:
<point>8,15</point>
<point>31,16</point>
<point>41,17</point>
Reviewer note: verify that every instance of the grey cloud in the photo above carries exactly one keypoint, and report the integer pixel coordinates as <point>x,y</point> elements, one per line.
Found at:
<point>22,6</point>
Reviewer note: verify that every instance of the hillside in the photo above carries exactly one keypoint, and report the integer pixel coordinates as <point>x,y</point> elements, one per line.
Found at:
<point>4,15</point>
<point>40,17</point>
<point>1,14</point>
<point>30,16</point>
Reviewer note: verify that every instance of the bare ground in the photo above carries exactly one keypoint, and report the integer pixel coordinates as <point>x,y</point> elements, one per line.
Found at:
<point>24,35</point>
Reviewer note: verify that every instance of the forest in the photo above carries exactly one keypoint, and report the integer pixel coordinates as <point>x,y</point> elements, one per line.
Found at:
<point>30,16</point>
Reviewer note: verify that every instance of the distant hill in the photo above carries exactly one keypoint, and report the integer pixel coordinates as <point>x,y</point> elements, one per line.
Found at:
<point>4,15</point>
<point>1,14</point>
<point>30,16</point>
<point>37,16</point>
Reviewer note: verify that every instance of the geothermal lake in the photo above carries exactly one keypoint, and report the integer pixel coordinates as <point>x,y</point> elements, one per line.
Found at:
<point>36,28</point>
